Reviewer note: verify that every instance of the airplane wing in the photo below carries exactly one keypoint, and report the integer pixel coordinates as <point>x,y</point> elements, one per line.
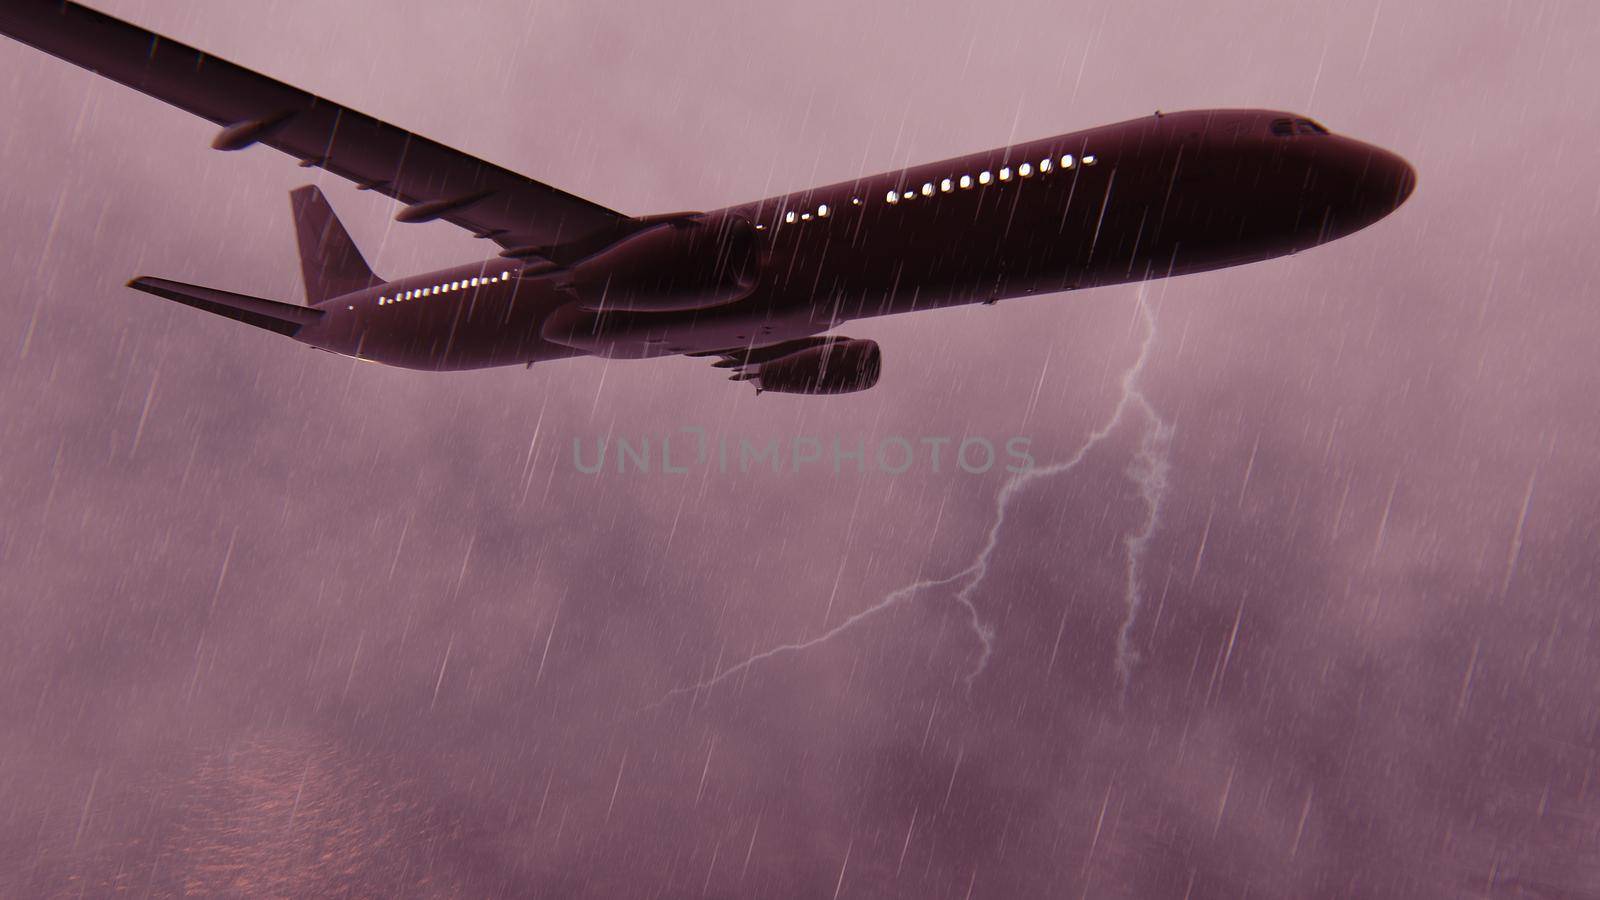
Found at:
<point>434,181</point>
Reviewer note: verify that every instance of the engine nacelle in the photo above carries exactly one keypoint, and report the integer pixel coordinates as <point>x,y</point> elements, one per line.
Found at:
<point>674,266</point>
<point>836,367</point>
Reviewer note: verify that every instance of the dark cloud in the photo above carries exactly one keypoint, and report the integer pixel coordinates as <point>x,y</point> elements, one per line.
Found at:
<point>279,624</point>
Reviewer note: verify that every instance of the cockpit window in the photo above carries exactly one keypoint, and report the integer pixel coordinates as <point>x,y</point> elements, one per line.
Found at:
<point>1291,127</point>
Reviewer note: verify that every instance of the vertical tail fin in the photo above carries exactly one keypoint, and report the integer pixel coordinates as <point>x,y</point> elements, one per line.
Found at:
<point>328,257</point>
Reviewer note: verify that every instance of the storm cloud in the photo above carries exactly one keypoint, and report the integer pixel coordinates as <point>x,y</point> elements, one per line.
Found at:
<point>280,623</point>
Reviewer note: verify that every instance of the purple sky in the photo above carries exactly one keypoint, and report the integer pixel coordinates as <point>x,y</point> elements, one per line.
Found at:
<point>277,623</point>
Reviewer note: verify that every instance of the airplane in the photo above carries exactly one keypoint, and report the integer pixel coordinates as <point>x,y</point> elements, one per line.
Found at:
<point>758,285</point>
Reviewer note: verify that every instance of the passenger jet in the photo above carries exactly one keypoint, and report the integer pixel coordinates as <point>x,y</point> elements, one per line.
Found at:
<point>758,285</point>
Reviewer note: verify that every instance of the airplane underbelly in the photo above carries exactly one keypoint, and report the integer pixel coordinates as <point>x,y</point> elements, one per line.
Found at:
<point>627,334</point>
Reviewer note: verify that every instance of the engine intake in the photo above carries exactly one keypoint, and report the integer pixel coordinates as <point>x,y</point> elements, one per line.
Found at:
<point>675,266</point>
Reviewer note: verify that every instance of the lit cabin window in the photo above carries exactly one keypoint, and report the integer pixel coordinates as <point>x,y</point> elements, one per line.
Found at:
<point>966,182</point>
<point>505,276</point>
<point>1025,170</point>
<point>822,211</point>
<point>985,177</point>
<point>1089,159</point>
<point>805,217</point>
<point>927,189</point>
<point>947,186</point>
<point>893,197</point>
<point>855,201</point>
<point>435,289</point>
<point>760,227</point>
<point>1066,161</point>
<point>789,216</point>
<point>1005,173</point>
<point>1044,166</point>
<point>908,195</point>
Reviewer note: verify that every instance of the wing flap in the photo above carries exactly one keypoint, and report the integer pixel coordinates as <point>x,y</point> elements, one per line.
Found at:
<point>433,180</point>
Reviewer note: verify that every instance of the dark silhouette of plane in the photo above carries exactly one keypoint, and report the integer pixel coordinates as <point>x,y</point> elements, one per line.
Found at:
<point>756,284</point>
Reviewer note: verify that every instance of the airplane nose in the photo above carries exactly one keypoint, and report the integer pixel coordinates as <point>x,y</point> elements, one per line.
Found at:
<point>1374,181</point>
<point>1397,175</point>
<point>1358,184</point>
<point>1408,183</point>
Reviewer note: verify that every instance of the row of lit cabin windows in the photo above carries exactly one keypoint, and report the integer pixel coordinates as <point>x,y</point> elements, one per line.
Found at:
<point>442,288</point>
<point>1025,170</point>
<point>822,213</point>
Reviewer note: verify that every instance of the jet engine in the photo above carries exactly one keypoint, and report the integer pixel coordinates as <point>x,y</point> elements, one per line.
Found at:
<point>833,366</point>
<point>681,264</point>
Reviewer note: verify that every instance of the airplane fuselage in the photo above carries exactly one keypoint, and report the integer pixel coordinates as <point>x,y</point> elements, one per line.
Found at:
<point>1153,197</point>
<point>757,284</point>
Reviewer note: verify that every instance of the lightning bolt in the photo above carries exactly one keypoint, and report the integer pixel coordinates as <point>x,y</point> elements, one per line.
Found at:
<point>1149,470</point>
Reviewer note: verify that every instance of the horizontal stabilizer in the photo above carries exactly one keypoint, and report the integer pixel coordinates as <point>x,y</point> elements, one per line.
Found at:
<point>284,318</point>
